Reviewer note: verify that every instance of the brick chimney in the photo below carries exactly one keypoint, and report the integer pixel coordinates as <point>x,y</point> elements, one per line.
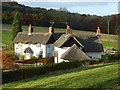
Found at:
<point>30,29</point>
<point>51,28</point>
<point>98,31</point>
<point>68,30</point>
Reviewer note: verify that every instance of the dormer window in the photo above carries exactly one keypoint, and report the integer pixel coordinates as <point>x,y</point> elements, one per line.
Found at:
<point>19,44</point>
<point>29,44</point>
<point>38,45</point>
<point>48,45</point>
<point>80,48</point>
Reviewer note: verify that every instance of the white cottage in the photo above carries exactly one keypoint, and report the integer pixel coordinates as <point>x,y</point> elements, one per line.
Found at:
<point>92,45</point>
<point>77,47</point>
<point>63,46</point>
<point>34,44</point>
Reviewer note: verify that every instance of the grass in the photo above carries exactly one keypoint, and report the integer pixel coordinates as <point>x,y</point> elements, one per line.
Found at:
<point>96,76</point>
<point>108,40</point>
<point>7,37</point>
<point>110,44</point>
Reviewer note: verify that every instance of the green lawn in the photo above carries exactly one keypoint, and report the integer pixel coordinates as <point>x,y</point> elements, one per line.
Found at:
<point>108,40</point>
<point>96,76</point>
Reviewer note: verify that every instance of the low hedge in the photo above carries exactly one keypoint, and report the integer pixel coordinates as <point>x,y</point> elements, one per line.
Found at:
<point>35,60</point>
<point>38,70</point>
<point>27,72</point>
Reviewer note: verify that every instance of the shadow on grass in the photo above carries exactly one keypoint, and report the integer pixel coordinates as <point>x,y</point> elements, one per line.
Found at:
<point>112,84</point>
<point>60,72</point>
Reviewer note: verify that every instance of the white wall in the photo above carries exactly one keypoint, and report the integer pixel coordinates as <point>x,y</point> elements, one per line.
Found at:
<point>19,49</point>
<point>60,52</point>
<point>94,54</point>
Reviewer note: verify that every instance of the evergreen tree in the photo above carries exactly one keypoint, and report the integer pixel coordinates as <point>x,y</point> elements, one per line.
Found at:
<point>17,27</point>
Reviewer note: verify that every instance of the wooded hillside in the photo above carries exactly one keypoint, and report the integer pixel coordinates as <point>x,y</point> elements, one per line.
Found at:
<point>42,17</point>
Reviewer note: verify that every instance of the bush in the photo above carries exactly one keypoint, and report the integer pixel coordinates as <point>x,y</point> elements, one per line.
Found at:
<point>110,57</point>
<point>33,57</point>
<point>96,61</point>
<point>22,57</point>
<point>46,60</point>
<point>37,70</point>
<point>7,62</point>
<point>15,56</point>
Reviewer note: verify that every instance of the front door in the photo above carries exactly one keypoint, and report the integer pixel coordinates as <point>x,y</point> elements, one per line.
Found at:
<point>27,56</point>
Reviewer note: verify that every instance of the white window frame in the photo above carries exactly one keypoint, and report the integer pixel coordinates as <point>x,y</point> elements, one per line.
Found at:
<point>48,46</point>
<point>38,45</point>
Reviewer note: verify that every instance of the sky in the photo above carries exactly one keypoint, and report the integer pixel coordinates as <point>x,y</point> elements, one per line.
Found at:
<point>92,7</point>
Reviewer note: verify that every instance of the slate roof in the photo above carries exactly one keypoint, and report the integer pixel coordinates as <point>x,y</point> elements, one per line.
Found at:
<point>57,35</point>
<point>64,38</point>
<point>28,50</point>
<point>43,38</point>
<point>90,43</point>
<point>74,53</point>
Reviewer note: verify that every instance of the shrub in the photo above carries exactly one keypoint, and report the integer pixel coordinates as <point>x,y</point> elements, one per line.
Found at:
<point>15,56</point>
<point>22,57</point>
<point>37,70</point>
<point>7,62</point>
<point>33,57</point>
<point>46,60</point>
<point>110,57</point>
<point>95,62</point>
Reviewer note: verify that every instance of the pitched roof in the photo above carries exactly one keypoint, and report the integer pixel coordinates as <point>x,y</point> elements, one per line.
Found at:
<point>90,43</point>
<point>28,50</point>
<point>64,38</point>
<point>74,53</point>
<point>57,35</point>
<point>42,38</point>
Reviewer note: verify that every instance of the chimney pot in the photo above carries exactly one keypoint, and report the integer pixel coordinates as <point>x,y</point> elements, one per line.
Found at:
<point>98,31</point>
<point>68,30</point>
<point>30,29</point>
<point>51,28</point>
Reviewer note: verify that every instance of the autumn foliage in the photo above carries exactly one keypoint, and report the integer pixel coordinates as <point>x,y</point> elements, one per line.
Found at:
<point>7,62</point>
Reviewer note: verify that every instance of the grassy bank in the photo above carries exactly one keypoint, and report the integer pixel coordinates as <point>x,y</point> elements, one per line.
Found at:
<point>96,76</point>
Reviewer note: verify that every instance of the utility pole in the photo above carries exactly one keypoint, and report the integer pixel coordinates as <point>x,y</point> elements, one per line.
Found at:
<point>108,27</point>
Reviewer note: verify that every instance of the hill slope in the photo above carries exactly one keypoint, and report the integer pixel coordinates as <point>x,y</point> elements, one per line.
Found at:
<point>108,40</point>
<point>97,76</point>
<point>42,17</point>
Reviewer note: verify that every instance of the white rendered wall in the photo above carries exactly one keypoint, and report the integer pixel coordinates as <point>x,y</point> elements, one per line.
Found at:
<point>19,49</point>
<point>60,52</point>
<point>94,54</point>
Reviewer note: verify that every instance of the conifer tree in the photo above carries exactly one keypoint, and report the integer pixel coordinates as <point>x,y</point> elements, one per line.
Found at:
<point>17,27</point>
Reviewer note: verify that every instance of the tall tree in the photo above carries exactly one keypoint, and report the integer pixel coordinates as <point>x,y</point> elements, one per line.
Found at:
<point>17,27</point>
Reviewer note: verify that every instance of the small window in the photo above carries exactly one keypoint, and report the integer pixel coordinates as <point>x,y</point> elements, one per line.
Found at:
<point>20,45</point>
<point>80,48</point>
<point>38,45</point>
<point>29,44</point>
<point>48,54</point>
<point>48,45</point>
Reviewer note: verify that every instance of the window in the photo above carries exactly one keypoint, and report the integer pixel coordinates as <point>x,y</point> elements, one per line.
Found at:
<point>19,44</point>
<point>38,45</point>
<point>48,54</point>
<point>48,45</point>
<point>80,48</point>
<point>29,44</point>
